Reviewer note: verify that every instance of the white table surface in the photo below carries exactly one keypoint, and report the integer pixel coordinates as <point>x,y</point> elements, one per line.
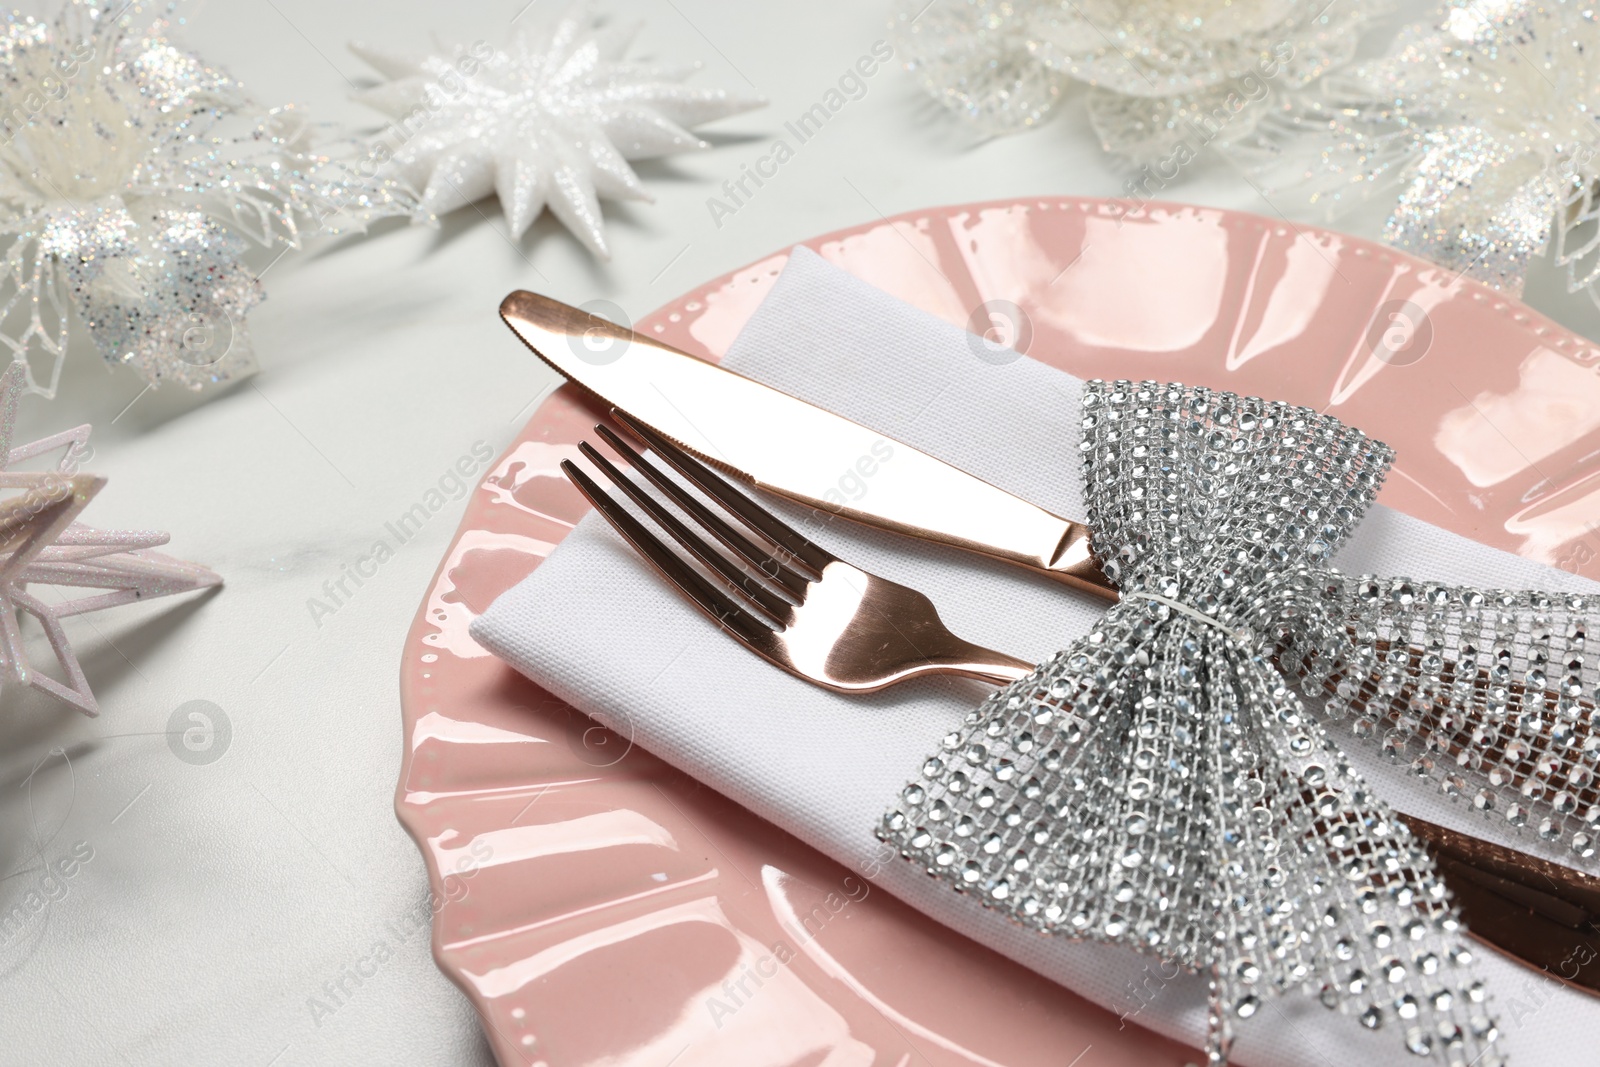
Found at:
<point>221,897</point>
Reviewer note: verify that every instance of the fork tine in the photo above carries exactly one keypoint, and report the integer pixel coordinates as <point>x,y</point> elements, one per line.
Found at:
<point>723,610</point>
<point>720,528</point>
<point>747,510</point>
<point>776,608</point>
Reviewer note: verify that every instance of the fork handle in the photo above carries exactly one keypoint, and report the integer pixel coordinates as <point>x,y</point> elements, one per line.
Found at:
<point>984,664</point>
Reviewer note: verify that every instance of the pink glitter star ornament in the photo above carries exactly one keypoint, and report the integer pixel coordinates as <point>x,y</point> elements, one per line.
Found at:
<point>42,543</point>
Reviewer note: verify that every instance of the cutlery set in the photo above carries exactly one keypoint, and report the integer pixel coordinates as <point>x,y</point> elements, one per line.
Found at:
<point>832,624</point>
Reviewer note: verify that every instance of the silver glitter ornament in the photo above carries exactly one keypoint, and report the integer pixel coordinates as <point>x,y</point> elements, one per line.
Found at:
<point>1161,76</point>
<point>551,121</point>
<point>1480,126</point>
<point>133,177</point>
<point>1171,782</point>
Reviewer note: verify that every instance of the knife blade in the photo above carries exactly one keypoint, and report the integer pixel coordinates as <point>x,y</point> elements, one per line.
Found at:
<point>779,443</point>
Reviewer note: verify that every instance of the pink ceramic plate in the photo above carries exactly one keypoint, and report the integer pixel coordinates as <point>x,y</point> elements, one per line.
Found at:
<point>598,907</point>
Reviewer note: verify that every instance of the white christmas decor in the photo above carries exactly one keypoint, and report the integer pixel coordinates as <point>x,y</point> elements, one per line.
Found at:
<point>551,121</point>
<point>133,176</point>
<point>1162,78</point>
<point>1480,125</point>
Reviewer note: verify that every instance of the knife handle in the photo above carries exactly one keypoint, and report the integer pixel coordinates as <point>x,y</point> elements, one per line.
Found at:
<point>1544,914</point>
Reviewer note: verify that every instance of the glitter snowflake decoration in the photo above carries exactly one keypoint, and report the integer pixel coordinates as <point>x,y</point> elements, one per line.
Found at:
<point>1481,126</point>
<point>552,121</point>
<point>133,177</point>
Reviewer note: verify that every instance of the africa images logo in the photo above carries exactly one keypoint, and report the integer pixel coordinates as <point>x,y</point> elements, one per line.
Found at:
<point>850,86</point>
<point>452,485</point>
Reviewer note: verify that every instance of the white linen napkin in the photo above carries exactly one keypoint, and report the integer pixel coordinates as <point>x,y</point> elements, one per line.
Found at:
<point>597,628</point>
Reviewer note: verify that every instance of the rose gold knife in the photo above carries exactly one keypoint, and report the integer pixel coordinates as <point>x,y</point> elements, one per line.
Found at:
<point>1542,913</point>
<point>731,422</point>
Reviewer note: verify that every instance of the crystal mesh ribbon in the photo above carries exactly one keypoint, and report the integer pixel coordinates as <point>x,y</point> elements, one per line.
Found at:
<point>1170,782</point>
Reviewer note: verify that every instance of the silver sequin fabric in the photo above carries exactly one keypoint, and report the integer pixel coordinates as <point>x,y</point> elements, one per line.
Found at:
<point>1163,784</point>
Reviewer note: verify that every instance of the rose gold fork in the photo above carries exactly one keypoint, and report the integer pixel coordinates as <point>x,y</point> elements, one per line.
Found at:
<point>794,604</point>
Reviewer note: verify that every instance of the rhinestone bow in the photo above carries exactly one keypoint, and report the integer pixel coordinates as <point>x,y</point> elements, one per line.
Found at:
<point>1169,782</point>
